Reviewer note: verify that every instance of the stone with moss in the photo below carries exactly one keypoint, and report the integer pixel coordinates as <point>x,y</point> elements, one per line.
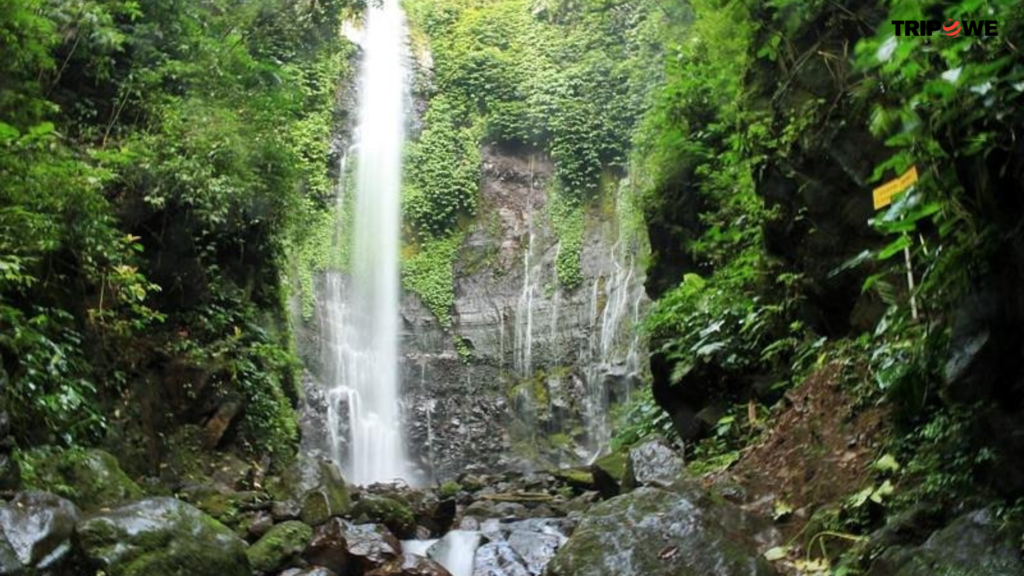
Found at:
<point>397,516</point>
<point>655,532</point>
<point>88,477</point>
<point>316,486</point>
<point>160,537</point>
<point>278,547</point>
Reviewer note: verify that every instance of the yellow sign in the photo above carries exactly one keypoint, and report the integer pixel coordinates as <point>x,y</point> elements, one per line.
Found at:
<point>883,194</point>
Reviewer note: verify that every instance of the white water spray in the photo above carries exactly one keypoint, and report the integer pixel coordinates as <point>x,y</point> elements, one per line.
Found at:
<point>361,324</point>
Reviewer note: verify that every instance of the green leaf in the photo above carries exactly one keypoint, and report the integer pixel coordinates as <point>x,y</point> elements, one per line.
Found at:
<point>894,247</point>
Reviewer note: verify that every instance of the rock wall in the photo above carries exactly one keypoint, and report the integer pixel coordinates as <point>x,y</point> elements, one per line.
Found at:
<point>529,372</point>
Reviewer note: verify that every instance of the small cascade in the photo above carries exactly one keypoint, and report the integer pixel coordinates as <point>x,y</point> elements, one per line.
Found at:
<point>613,346</point>
<point>523,346</point>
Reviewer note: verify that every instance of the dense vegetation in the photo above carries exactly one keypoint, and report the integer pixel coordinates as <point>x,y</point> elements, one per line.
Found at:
<point>156,159</point>
<point>167,192</point>
<point>554,79</point>
<point>776,120</point>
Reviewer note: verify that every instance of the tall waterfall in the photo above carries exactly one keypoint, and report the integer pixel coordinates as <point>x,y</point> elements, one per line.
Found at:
<point>360,329</point>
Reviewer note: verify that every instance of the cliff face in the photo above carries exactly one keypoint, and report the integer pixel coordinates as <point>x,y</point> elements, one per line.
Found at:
<point>529,371</point>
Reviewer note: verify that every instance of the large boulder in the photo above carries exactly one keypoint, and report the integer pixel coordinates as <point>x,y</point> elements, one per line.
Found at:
<point>656,532</point>
<point>35,532</point>
<point>89,477</point>
<point>161,537</point>
<point>974,544</point>
<point>317,488</point>
<point>279,546</point>
<point>653,463</point>
<point>345,548</point>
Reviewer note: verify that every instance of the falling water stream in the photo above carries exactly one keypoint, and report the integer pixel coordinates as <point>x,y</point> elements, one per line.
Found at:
<point>361,325</point>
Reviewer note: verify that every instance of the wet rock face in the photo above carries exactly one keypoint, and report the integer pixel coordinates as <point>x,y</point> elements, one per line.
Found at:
<point>539,357</point>
<point>35,532</point>
<point>973,544</point>
<point>656,532</point>
<point>160,537</point>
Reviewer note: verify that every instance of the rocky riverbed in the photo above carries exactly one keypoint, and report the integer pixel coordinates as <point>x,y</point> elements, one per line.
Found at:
<point>629,514</point>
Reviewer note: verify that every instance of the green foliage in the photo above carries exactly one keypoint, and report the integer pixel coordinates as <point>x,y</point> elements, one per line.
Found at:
<point>245,358</point>
<point>443,172</point>
<point>505,73</point>
<point>161,161</point>
<point>639,418</point>
<point>428,271</point>
<point>568,219</point>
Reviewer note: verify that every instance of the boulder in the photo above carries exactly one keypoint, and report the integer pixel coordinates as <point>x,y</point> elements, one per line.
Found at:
<point>387,511</point>
<point>536,548</point>
<point>316,487</point>
<point>35,532</point>
<point>653,463</point>
<point>279,546</point>
<point>343,547</point>
<point>160,537</point>
<point>656,532</point>
<point>411,565</point>
<point>494,509</point>
<point>499,559</point>
<point>973,544</point>
<point>88,477</point>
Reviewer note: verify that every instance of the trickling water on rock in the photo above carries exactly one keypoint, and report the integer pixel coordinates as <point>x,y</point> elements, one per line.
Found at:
<point>360,324</point>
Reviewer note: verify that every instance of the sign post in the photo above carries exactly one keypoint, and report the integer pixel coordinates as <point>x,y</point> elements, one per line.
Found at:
<point>882,197</point>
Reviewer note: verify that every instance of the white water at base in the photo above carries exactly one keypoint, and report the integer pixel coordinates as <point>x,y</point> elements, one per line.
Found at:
<point>456,551</point>
<point>362,318</point>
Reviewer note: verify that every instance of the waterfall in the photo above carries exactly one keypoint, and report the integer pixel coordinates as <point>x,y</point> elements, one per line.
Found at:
<point>360,354</point>
<point>523,360</point>
<point>614,343</point>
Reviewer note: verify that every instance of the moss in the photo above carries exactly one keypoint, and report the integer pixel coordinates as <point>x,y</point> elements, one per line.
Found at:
<point>449,489</point>
<point>387,511</point>
<point>90,478</point>
<point>428,271</point>
<point>568,219</point>
<point>614,464</point>
<point>279,546</point>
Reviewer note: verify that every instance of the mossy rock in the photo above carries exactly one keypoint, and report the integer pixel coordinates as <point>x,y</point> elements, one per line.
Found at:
<point>579,479</point>
<point>316,486</point>
<point>614,464</point>
<point>160,537</point>
<point>397,516</point>
<point>88,477</point>
<point>654,532</point>
<point>278,547</point>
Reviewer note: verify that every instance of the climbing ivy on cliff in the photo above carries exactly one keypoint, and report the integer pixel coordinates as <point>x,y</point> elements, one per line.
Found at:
<point>544,76</point>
